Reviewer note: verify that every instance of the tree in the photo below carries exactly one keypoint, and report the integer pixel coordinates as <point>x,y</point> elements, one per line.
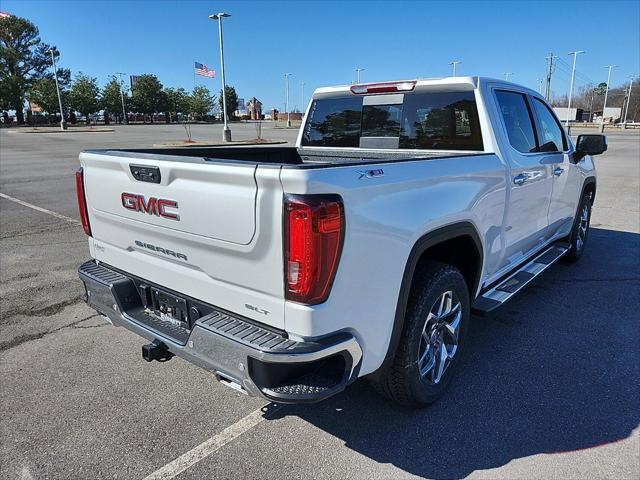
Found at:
<point>43,92</point>
<point>178,101</point>
<point>232,100</point>
<point>112,100</point>
<point>201,101</point>
<point>84,95</point>
<point>147,95</point>
<point>24,59</point>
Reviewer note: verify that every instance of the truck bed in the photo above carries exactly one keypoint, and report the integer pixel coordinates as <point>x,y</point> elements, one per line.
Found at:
<point>292,156</point>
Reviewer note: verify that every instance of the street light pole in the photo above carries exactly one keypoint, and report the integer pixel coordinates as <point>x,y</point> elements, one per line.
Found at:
<point>302,105</point>
<point>626,110</point>
<point>358,70</point>
<point>63,124</point>
<point>453,67</point>
<point>286,99</point>
<point>606,94</point>
<point>226,131</point>
<point>124,112</point>
<point>573,77</point>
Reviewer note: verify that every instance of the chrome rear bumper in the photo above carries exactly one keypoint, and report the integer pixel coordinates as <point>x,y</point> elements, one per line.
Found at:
<point>241,353</point>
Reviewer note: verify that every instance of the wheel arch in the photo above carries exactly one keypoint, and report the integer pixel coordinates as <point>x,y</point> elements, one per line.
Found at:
<point>428,247</point>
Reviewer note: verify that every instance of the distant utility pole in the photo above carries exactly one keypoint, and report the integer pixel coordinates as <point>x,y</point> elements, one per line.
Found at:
<point>507,75</point>
<point>63,124</point>
<point>547,91</point>
<point>286,97</point>
<point>124,112</point>
<point>606,94</point>
<point>626,110</point>
<point>573,77</point>
<point>453,64</point>
<point>358,70</point>
<point>540,85</point>
<point>302,104</point>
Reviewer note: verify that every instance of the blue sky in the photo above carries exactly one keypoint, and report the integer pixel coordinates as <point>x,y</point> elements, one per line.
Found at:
<point>321,43</point>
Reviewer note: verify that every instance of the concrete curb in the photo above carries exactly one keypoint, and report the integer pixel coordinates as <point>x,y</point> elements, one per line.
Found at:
<point>218,144</point>
<point>71,130</point>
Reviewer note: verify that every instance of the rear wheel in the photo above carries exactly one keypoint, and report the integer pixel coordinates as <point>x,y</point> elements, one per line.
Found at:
<point>432,339</point>
<point>580,231</point>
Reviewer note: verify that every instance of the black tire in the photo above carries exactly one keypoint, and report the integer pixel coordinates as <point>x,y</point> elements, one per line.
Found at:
<point>403,381</point>
<point>580,230</point>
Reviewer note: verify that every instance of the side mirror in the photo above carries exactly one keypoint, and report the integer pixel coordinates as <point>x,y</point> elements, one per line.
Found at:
<point>590,144</point>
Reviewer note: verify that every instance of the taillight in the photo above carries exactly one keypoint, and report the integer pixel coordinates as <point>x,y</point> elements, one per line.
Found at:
<point>386,87</point>
<point>313,231</point>
<point>82,202</point>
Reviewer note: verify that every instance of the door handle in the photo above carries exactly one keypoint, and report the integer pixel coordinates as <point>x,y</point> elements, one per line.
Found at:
<point>558,171</point>
<point>520,179</point>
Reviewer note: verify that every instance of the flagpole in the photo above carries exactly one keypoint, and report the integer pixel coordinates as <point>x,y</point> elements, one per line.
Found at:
<point>194,73</point>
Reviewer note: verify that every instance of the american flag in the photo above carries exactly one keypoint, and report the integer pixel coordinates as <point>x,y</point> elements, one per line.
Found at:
<point>204,70</point>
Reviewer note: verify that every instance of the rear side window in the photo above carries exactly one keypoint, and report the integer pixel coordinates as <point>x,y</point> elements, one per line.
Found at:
<point>430,121</point>
<point>550,134</point>
<point>334,122</point>
<point>517,120</point>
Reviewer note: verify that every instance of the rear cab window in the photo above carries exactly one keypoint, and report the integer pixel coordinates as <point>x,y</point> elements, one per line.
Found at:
<point>439,120</point>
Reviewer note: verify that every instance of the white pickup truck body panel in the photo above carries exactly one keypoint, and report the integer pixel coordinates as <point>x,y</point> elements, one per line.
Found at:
<point>241,267</point>
<point>231,227</point>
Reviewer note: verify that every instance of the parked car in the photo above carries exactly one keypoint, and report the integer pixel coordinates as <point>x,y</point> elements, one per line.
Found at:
<point>360,252</point>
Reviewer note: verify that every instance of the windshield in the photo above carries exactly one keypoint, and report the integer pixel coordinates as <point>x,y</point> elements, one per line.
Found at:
<point>431,121</point>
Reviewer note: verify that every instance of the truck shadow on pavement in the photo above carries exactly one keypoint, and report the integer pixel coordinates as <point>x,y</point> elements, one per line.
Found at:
<point>554,371</point>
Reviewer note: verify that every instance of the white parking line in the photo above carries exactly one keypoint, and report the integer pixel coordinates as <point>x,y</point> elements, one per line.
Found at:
<point>40,209</point>
<point>206,448</point>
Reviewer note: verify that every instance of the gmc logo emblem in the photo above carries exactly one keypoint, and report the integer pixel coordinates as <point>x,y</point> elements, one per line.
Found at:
<point>152,206</point>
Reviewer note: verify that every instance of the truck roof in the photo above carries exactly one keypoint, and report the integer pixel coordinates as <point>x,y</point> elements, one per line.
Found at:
<point>470,82</point>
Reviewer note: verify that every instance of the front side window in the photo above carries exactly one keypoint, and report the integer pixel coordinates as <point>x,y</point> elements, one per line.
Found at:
<point>550,137</point>
<point>517,121</point>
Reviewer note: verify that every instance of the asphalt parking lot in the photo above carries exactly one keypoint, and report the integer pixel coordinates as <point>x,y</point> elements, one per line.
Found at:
<point>549,387</point>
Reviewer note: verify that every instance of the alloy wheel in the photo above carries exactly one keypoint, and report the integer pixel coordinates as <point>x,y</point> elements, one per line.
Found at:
<point>440,335</point>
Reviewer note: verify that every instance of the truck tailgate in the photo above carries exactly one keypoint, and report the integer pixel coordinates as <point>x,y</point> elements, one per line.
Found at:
<point>204,228</point>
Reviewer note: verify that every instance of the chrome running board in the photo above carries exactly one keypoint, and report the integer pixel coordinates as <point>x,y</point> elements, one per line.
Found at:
<point>497,295</point>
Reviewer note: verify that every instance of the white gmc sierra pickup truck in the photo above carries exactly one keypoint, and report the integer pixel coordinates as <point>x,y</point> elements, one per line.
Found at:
<point>360,252</point>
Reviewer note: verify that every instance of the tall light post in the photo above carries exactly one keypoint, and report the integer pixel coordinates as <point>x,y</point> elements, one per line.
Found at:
<point>606,94</point>
<point>124,112</point>
<point>573,77</point>
<point>302,105</point>
<point>358,70</point>
<point>286,98</point>
<point>626,110</point>
<point>453,64</point>
<point>226,131</point>
<point>63,124</point>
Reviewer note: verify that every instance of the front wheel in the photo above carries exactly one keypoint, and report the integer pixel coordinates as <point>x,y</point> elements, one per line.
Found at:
<point>433,337</point>
<point>580,231</point>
